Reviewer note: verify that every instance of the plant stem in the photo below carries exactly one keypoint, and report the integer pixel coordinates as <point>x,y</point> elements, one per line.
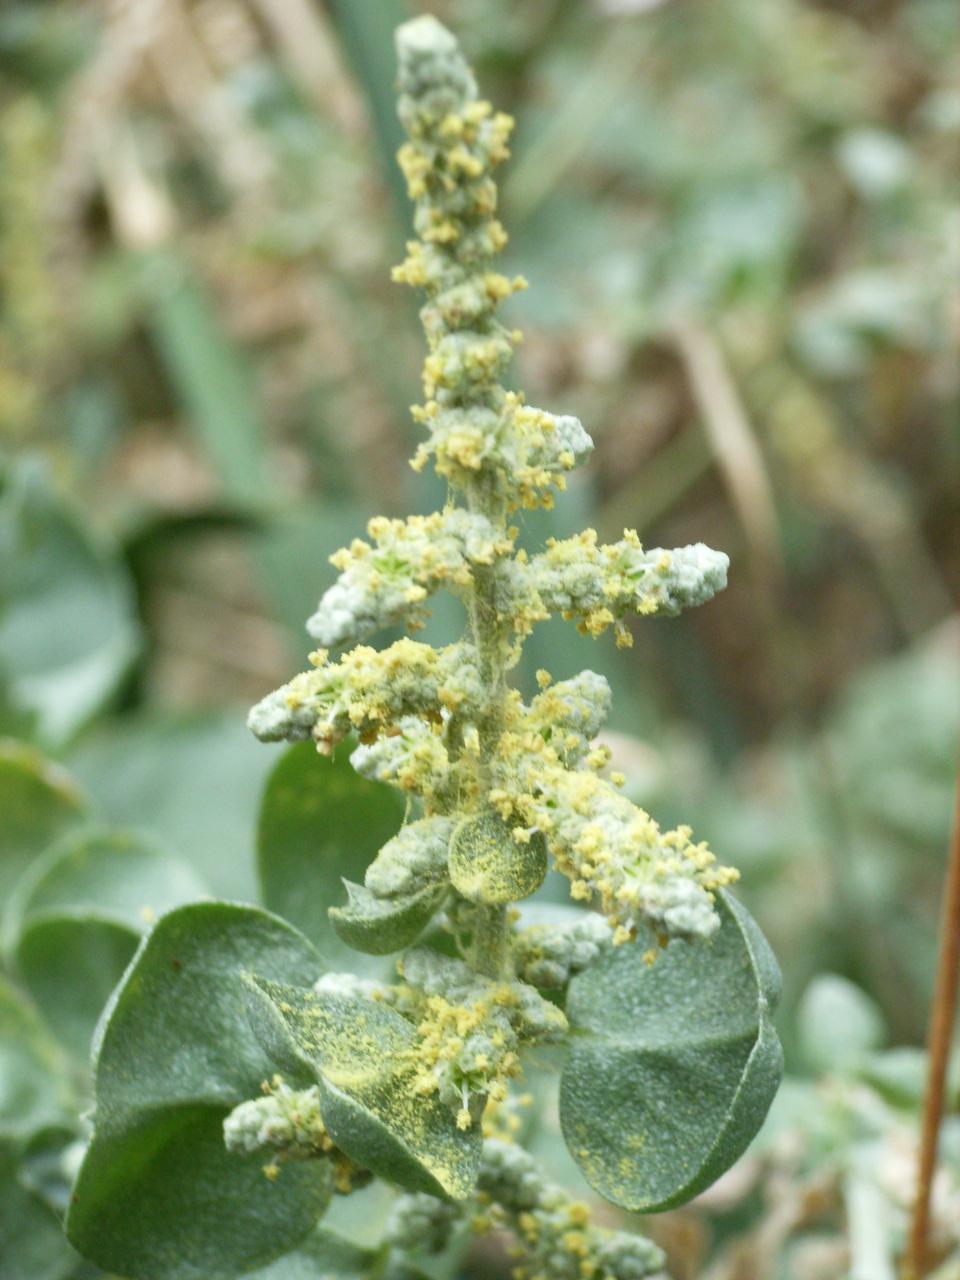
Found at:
<point>490,941</point>
<point>490,937</point>
<point>942,1017</point>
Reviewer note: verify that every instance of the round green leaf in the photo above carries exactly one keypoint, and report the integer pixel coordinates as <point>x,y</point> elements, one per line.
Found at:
<point>183,1206</point>
<point>32,1246</point>
<point>68,628</point>
<point>79,911</point>
<point>70,964</point>
<point>838,1024</point>
<point>38,801</point>
<point>33,1072</point>
<point>158,1196</point>
<point>380,926</point>
<point>324,1255</point>
<point>320,822</point>
<point>121,875</point>
<point>673,1066</point>
<point>193,781</point>
<point>364,1057</point>
<point>487,864</point>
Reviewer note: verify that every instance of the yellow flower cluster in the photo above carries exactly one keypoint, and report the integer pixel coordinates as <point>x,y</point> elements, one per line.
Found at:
<point>496,786</point>
<point>599,585</point>
<point>388,582</point>
<point>476,427</point>
<point>470,1030</point>
<point>555,1236</point>
<point>287,1124</point>
<point>369,692</point>
<point>546,779</point>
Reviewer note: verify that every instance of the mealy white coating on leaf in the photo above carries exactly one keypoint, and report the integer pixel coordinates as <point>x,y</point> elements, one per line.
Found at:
<point>414,858</point>
<point>347,984</point>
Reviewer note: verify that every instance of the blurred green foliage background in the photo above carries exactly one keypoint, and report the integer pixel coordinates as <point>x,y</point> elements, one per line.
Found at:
<point>741,229</point>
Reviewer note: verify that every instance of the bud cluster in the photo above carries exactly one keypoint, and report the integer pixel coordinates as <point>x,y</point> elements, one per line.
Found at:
<point>554,1236</point>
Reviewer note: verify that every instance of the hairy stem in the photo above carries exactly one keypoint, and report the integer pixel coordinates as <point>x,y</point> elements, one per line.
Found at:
<point>490,939</point>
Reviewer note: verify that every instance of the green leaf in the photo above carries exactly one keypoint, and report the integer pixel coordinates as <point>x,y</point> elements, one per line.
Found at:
<point>210,376</point>
<point>367,34</point>
<point>77,916</point>
<point>487,864</point>
<point>38,801</point>
<point>320,822</point>
<point>32,1246</point>
<point>673,1066</point>
<point>46,1164</point>
<point>380,926</point>
<point>158,1196</point>
<point>900,1077</point>
<point>192,781</point>
<point>364,1056</point>
<point>70,965</point>
<point>33,1082</point>
<point>838,1024</point>
<point>123,875</point>
<point>68,629</point>
<point>324,1255</point>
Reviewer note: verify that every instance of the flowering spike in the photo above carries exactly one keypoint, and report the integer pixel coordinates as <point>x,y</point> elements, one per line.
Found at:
<point>499,784</point>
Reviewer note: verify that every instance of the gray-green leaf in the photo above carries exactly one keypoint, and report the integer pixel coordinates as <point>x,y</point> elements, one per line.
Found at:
<point>68,628</point>
<point>487,864</point>
<point>673,1066</point>
<point>77,915</point>
<point>38,801</point>
<point>838,1024</point>
<point>324,1255</point>
<point>319,822</point>
<point>365,1056</point>
<point>32,1246</point>
<point>158,1196</point>
<point>34,1091</point>
<point>380,926</point>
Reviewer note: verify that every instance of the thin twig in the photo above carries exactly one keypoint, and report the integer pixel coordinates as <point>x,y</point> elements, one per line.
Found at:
<point>942,1017</point>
